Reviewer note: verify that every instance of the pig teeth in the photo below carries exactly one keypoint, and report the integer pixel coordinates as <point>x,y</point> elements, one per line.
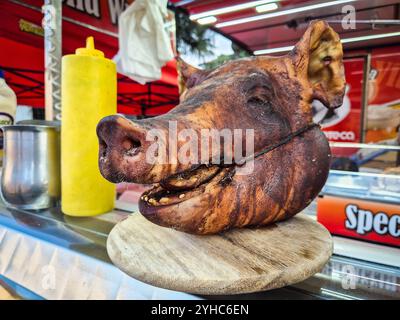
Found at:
<point>146,198</point>
<point>152,201</point>
<point>181,196</point>
<point>164,200</point>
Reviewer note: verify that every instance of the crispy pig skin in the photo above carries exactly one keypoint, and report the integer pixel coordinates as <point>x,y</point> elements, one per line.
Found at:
<point>271,95</point>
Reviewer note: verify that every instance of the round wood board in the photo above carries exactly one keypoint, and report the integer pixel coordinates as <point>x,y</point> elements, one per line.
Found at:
<point>237,261</point>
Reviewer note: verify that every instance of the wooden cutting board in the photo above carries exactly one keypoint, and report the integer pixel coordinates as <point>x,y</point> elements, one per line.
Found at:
<point>237,261</point>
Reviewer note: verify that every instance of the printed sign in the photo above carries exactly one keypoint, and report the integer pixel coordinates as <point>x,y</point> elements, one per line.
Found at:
<point>365,220</point>
<point>344,124</point>
<point>383,114</point>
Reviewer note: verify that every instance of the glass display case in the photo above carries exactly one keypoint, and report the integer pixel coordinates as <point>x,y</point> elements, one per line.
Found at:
<point>375,175</point>
<point>361,198</point>
<point>360,203</point>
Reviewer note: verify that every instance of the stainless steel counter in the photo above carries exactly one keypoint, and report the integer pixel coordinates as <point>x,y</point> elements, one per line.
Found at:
<point>54,256</point>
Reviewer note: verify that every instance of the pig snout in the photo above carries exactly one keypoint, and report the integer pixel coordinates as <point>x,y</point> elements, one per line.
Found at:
<point>122,150</point>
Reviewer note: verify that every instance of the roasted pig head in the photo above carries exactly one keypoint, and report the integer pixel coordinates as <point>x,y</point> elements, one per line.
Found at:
<point>271,97</point>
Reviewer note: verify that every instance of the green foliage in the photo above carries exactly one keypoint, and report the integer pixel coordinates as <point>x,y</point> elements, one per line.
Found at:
<point>225,58</point>
<point>197,39</point>
<point>191,37</point>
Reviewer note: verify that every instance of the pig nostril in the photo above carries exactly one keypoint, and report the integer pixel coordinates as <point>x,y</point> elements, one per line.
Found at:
<point>103,148</point>
<point>131,146</point>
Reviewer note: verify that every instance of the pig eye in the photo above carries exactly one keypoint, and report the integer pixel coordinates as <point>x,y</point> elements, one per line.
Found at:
<point>255,100</point>
<point>258,91</point>
<point>260,102</point>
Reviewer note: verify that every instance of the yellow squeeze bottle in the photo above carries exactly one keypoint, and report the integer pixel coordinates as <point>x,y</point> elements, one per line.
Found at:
<point>89,93</point>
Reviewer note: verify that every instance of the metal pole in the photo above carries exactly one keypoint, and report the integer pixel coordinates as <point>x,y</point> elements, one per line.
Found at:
<point>52,10</point>
<point>364,106</point>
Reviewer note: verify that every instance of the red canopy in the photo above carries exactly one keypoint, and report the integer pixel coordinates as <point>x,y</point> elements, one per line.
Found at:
<point>285,25</point>
<point>22,54</point>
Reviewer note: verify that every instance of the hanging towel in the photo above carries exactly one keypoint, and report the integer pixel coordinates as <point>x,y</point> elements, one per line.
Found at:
<point>144,42</point>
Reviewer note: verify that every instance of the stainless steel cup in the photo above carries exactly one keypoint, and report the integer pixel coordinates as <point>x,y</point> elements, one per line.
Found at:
<point>31,165</point>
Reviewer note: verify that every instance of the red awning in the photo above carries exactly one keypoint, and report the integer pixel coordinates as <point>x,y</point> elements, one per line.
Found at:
<point>22,56</point>
<point>285,25</point>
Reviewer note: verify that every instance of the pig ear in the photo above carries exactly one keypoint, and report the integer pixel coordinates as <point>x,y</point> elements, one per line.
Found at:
<point>189,76</point>
<point>318,58</point>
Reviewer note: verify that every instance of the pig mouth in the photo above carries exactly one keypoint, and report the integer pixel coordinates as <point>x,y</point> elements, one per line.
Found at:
<point>185,185</point>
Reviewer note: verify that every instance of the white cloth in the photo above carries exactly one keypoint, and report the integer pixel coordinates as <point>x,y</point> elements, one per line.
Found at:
<point>8,104</point>
<point>144,42</point>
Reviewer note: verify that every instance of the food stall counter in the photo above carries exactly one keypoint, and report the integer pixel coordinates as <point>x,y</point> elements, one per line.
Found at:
<point>53,256</point>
